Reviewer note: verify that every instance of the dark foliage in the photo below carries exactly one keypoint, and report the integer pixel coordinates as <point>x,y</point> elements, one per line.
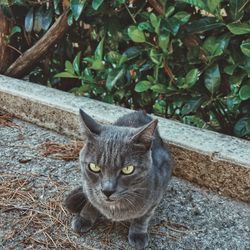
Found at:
<point>191,64</point>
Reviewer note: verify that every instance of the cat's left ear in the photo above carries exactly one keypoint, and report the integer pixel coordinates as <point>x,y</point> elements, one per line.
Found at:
<point>89,127</point>
<point>144,136</point>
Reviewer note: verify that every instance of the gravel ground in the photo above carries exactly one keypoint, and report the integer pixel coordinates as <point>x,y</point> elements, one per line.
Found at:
<point>32,188</point>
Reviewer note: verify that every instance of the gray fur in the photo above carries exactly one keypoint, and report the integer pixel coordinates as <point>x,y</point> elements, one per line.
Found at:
<point>132,140</point>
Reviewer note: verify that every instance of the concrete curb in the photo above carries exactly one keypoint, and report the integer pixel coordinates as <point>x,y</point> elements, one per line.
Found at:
<point>210,159</point>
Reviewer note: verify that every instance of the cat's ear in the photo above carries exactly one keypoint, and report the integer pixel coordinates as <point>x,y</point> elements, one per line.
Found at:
<point>144,136</point>
<point>89,127</point>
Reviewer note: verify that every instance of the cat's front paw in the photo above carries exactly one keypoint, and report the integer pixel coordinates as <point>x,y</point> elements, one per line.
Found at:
<point>81,225</point>
<point>75,200</point>
<point>138,240</point>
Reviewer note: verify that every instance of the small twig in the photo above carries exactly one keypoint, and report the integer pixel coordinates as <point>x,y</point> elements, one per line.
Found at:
<point>132,17</point>
<point>164,234</point>
<point>46,234</point>
<point>18,51</point>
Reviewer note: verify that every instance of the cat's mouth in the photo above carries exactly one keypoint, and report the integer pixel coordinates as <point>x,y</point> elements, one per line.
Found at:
<point>109,200</point>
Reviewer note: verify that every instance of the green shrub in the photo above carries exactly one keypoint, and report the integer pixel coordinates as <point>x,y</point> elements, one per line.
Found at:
<point>192,63</point>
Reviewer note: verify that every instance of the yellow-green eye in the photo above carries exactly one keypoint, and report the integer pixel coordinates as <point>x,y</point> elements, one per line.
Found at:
<point>94,168</point>
<point>128,169</point>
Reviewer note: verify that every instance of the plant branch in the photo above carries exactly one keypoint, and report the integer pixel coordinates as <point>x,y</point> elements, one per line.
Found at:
<point>33,54</point>
<point>157,7</point>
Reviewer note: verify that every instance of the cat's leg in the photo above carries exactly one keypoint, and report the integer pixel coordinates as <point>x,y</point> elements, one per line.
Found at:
<point>138,231</point>
<point>83,221</point>
<point>75,200</point>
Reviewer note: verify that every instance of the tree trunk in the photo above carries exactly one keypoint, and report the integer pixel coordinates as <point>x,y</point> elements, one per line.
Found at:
<point>5,51</point>
<point>32,55</point>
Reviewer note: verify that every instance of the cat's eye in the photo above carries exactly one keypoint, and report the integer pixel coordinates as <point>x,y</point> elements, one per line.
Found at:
<point>128,170</point>
<point>94,168</point>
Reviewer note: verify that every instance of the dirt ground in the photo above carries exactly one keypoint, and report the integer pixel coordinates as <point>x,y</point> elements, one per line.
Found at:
<point>33,183</point>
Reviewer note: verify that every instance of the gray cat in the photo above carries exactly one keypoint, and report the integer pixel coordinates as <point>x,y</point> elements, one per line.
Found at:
<point>125,170</point>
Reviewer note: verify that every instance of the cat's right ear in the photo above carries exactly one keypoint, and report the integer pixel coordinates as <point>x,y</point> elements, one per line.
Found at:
<point>89,127</point>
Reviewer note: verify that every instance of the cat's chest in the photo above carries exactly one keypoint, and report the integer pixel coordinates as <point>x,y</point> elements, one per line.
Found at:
<point>117,212</point>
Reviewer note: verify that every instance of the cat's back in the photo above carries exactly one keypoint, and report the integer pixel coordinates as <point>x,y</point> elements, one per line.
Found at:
<point>135,119</point>
<point>138,119</point>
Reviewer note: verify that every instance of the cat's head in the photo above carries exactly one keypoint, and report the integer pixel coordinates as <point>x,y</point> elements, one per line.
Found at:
<point>116,161</point>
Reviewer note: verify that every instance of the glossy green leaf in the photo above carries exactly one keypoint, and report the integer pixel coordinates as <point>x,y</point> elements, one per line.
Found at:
<point>245,65</point>
<point>229,69</point>
<point>194,121</point>
<point>81,90</point>
<point>201,4</point>
<point>154,20</point>
<point>97,65</point>
<point>96,4</point>
<point>142,86</point>
<point>56,6</point>
<point>15,29</point>
<point>113,77</point>
<point>65,75</point>
<point>99,50</point>
<point>29,20</point>
<point>118,3</point>
<point>132,52</point>
<point>212,78</point>
<point>207,5</point>
<point>242,127</point>
<point>245,47</point>
<point>113,57</point>
<point>236,80</point>
<point>171,25</point>
<point>182,16</point>
<point>236,9</point>
<point>170,10</point>
<point>191,78</point>
<point>76,7</point>
<point>159,88</point>
<point>239,28</point>
<point>46,19</point>
<point>160,106</point>
<point>244,92</point>
<point>136,35</point>
<point>213,5</point>
<point>70,19</point>
<point>69,67</point>
<point>145,26</point>
<point>87,75</point>
<point>120,93</point>
<point>164,42</point>
<point>38,17</point>
<point>155,56</point>
<point>76,63</point>
<point>191,105</point>
<point>151,78</point>
<point>204,24</point>
<point>215,46</point>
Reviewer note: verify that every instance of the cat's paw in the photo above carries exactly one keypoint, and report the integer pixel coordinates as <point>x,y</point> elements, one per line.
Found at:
<point>81,225</point>
<point>138,240</point>
<point>75,200</point>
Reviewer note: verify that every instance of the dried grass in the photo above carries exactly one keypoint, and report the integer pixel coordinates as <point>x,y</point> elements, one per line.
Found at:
<point>68,151</point>
<point>36,222</point>
<point>7,120</point>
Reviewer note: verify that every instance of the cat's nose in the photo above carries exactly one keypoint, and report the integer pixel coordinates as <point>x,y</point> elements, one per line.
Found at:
<point>108,192</point>
<point>108,187</point>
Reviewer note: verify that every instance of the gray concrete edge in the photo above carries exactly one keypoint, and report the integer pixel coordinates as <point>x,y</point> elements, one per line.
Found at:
<point>218,146</point>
